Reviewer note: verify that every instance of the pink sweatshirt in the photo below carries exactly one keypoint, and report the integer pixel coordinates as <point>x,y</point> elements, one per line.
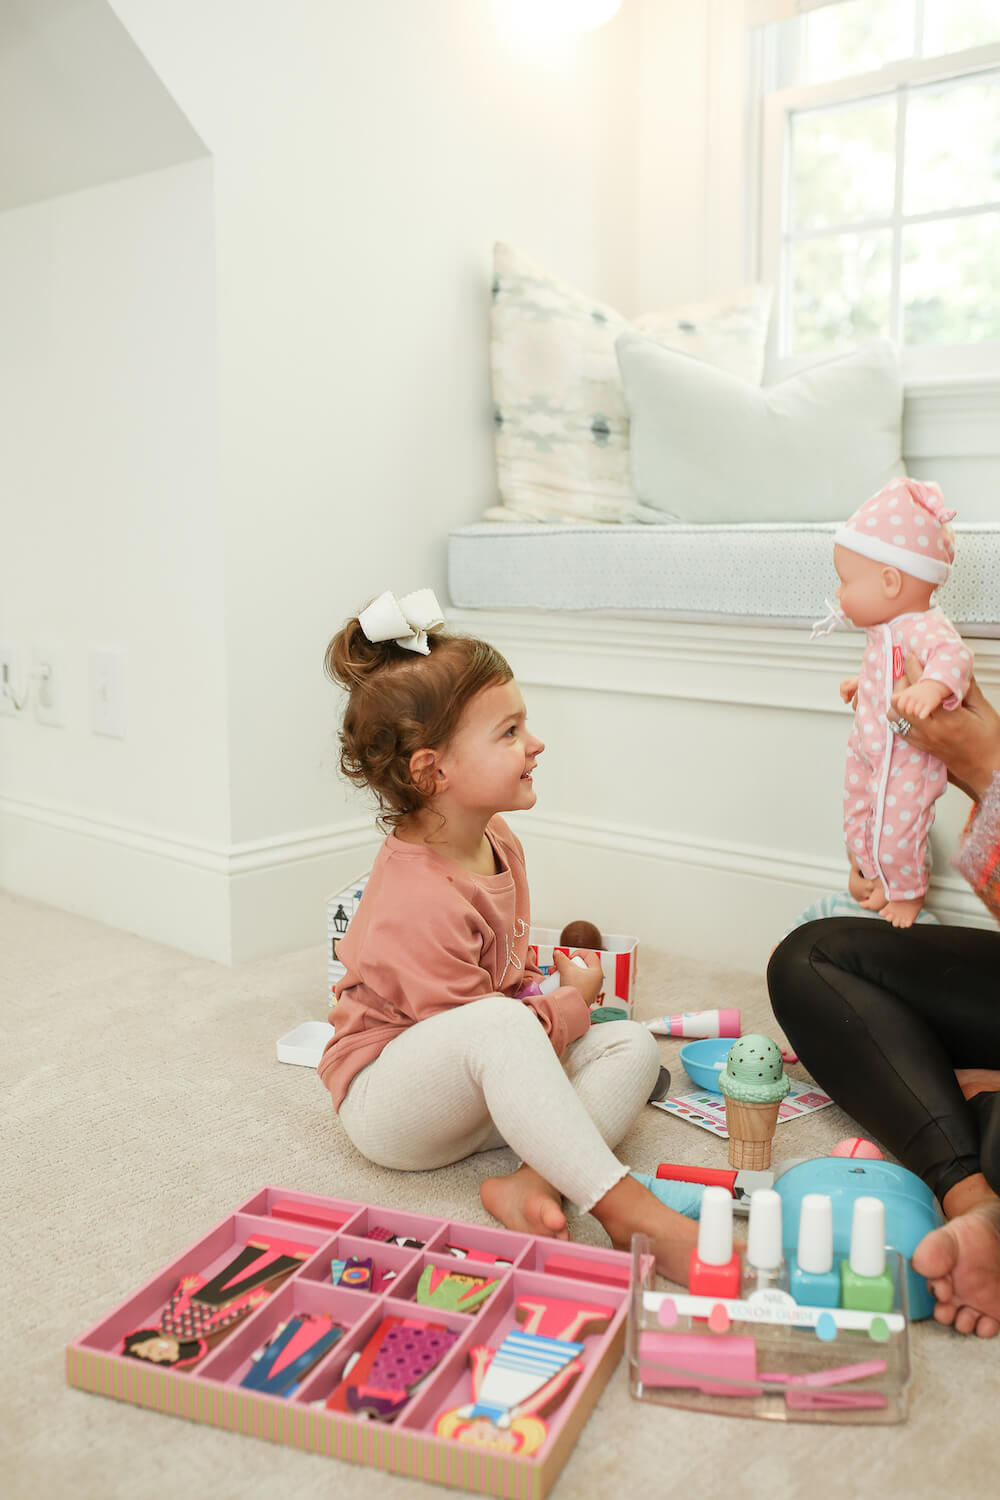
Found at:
<point>429,935</point>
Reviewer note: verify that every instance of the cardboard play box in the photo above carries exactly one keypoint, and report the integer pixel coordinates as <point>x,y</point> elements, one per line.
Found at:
<point>619,960</point>
<point>248,1329</point>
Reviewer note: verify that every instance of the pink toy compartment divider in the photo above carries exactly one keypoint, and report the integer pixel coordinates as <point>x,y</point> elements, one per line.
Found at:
<point>211,1391</point>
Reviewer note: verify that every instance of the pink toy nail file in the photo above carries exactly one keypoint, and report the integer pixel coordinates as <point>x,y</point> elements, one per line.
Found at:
<point>690,1355</point>
<point>700,1023</point>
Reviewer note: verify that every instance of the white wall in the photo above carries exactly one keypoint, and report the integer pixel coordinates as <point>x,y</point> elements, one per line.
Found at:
<point>251,392</point>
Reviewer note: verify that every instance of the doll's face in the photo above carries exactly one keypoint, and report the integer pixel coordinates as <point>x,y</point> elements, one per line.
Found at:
<point>862,594</point>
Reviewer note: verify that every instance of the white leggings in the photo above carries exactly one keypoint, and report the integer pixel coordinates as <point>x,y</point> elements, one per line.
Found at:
<point>485,1075</point>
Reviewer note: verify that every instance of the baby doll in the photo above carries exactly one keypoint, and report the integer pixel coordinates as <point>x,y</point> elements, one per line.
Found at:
<point>890,557</point>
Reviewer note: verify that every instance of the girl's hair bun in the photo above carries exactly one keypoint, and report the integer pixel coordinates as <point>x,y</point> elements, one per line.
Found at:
<point>351,657</point>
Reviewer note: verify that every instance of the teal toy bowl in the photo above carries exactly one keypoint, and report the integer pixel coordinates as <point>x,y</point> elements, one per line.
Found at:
<point>704,1060</point>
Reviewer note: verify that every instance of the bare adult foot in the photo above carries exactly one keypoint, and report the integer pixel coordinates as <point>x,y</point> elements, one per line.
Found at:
<point>524,1201</point>
<point>962,1264</point>
<point>629,1208</point>
<point>977,1081</point>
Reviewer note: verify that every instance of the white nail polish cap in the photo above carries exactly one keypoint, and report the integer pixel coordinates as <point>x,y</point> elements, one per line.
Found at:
<point>815,1250</point>
<point>715,1227</point>
<point>868,1237</point>
<point>764,1236</point>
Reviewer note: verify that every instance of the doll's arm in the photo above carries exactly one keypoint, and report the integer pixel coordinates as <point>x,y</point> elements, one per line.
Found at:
<point>920,700</point>
<point>946,674</point>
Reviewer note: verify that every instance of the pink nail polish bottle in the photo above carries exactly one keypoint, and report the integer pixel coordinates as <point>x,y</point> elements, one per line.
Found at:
<point>714,1268</point>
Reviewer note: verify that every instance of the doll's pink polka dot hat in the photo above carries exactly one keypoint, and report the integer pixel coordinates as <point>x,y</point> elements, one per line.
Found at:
<point>905,526</point>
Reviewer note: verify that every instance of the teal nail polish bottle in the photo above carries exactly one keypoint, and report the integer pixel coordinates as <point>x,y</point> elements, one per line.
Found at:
<point>812,1280</point>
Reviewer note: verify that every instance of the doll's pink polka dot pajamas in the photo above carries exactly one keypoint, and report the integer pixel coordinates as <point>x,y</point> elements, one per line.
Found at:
<point>890,787</point>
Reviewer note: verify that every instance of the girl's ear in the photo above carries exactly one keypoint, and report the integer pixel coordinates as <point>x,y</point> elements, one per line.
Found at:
<point>426,773</point>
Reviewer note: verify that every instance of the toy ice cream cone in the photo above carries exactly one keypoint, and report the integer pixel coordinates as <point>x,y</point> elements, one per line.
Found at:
<point>751,1130</point>
<point>753,1084</point>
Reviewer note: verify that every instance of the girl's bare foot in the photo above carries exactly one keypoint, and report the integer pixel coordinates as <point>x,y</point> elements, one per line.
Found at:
<point>977,1081</point>
<point>630,1209</point>
<point>962,1264</point>
<point>524,1201</point>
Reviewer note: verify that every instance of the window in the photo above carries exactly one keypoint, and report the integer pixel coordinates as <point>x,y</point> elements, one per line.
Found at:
<point>877,126</point>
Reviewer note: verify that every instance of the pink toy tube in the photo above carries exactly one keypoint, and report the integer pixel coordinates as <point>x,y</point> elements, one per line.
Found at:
<point>700,1023</point>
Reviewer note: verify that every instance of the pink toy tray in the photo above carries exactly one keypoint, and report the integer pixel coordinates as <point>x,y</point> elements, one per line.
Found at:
<point>563,1293</point>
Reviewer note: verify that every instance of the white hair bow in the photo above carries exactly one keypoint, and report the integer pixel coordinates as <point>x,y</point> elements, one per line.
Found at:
<point>407,621</point>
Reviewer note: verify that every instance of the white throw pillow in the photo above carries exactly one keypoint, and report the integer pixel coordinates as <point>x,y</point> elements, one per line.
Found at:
<point>707,447</point>
<point>562,431</point>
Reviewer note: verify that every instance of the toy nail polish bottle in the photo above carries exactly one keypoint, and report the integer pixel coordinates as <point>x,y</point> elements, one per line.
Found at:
<point>812,1280</point>
<point>865,1283</point>
<point>714,1268</point>
<point>764,1265</point>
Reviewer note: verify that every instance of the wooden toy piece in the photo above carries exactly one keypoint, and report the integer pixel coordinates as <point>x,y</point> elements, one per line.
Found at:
<point>587,1270</point>
<point>400,1353</point>
<point>199,1312</point>
<point>559,1318</point>
<point>357,1273</point>
<point>452,1291</point>
<point>462,1252</point>
<point>291,1352</point>
<point>524,1365</point>
<point>389,1237</point>
<point>308,1213</point>
<point>581,934</point>
<point>524,1436</point>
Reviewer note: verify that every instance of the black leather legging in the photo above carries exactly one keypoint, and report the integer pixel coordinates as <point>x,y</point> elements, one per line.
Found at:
<point>882,1017</point>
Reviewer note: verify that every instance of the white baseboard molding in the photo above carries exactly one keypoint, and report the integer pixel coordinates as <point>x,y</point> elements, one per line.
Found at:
<point>225,903</point>
<point>729,903</point>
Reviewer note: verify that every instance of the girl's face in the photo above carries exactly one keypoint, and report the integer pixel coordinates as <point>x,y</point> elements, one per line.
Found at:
<point>861,594</point>
<point>489,760</point>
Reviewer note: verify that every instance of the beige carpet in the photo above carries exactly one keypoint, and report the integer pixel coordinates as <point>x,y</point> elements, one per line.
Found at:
<point>142,1099</point>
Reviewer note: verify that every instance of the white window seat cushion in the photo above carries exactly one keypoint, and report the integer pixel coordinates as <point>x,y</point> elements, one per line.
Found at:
<point>774,573</point>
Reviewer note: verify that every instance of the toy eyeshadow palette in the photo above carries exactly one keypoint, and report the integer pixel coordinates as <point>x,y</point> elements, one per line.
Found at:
<point>454,1352</point>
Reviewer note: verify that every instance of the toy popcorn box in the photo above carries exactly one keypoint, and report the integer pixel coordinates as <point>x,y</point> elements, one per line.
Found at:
<point>619,960</point>
<point>618,955</point>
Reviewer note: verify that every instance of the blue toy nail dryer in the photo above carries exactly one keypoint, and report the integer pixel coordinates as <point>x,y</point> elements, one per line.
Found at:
<point>911,1210</point>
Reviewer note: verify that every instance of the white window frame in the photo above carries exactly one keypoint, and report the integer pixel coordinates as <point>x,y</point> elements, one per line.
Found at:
<point>918,362</point>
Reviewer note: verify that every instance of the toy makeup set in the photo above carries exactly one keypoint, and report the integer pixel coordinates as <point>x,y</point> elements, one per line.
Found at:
<point>790,1336</point>
<point>448,1351</point>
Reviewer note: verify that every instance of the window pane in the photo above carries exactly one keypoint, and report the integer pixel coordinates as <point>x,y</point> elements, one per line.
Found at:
<point>843,164</point>
<point>839,290</point>
<point>952,155</point>
<point>857,36</point>
<point>950,25</point>
<point>951,280</point>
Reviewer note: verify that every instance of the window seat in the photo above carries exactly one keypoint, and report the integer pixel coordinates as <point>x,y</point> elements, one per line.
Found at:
<point>774,574</point>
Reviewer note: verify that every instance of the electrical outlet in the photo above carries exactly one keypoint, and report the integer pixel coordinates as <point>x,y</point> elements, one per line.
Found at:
<point>48,685</point>
<point>13,688</point>
<point>107,693</point>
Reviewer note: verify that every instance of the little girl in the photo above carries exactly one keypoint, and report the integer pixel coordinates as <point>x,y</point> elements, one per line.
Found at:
<point>440,1006</point>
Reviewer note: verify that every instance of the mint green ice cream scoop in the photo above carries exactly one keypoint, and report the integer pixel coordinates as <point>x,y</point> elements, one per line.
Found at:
<point>754,1072</point>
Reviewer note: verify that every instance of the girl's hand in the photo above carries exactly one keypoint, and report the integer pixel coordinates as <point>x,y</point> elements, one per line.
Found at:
<point>589,981</point>
<point>849,691</point>
<point>966,738</point>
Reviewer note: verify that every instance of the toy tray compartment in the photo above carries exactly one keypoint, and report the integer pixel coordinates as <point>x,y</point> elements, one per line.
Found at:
<point>745,1360</point>
<point>523,1266</point>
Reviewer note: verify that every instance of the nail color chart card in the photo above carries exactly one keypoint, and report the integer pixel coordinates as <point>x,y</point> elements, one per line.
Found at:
<point>709,1110</point>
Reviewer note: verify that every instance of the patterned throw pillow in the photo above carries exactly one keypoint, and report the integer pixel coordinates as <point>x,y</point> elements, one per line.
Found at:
<point>562,429</point>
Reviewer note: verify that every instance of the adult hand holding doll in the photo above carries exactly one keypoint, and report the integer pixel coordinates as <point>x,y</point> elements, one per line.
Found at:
<point>966,739</point>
